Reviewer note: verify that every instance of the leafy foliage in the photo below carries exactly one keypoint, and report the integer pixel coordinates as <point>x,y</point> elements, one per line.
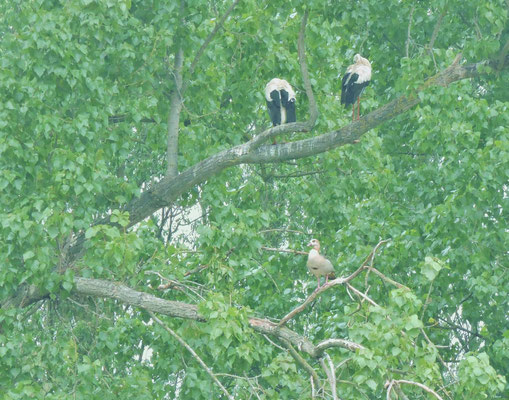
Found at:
<point>85,89</point>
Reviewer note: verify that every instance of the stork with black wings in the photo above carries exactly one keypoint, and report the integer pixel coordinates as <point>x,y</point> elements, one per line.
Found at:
<point>357,77</point>
<point>280,101</point>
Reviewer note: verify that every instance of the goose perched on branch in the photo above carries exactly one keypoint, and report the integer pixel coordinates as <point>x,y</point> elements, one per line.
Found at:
<point>357,77</point>
<point>280,102</point>
<point>317,264</point>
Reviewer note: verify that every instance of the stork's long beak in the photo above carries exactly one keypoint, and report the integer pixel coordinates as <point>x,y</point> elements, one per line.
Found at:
<point>310,244</point>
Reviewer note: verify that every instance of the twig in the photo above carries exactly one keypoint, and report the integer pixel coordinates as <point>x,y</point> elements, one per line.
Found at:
<point>284,250</point>
<point>195,270</point>
<point>311,297</point>
<point>435,347</point>
<point>368,259</point>
<point>193,353</point>
<point>424,387</point>
<point>409,29</point>
<point>209,38</point>
<point>281,230</point>
<point>389,388</point>
<point>359,293</point>
<point>387,279</point>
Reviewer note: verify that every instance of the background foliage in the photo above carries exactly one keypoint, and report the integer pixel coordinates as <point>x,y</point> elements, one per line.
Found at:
<point>85,91</point>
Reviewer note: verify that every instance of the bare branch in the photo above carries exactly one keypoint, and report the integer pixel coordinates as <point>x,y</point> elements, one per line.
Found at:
<point>331,375</point>
<point>387,279</point>
<point>346,344</point>
<point>284,250</point>
<point>193,353</point>
<point>359,293</point>
<point>281,230</point>
<point>424,387</point>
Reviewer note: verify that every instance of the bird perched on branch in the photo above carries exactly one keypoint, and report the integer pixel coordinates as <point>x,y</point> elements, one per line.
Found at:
<point>357,77</point>
<point>317,264</point>
<point>280,102</point>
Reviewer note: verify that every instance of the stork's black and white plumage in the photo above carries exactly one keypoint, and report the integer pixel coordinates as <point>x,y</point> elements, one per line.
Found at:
<point>280,101</point>
<point>357,77</point>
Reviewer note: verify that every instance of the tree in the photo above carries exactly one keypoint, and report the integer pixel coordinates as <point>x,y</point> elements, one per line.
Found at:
<point>153,240</point>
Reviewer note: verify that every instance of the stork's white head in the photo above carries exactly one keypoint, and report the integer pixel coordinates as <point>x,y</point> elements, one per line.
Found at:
<point>314,243</point>
<point>357,59</point>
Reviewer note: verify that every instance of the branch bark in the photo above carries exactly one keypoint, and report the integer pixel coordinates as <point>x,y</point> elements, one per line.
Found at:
<point>174,117</point>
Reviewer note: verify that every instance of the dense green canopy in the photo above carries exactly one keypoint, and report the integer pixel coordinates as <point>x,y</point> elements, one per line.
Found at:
<point>151,236</point>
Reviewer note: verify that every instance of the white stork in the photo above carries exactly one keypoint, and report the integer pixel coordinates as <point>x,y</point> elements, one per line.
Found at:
<point>280,101</point>
<point>357,77</point>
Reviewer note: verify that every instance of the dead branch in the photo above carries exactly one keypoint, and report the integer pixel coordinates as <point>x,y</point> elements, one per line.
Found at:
<point>331,375</point>
<point>284,250</point>
<point>387,279</point>
<point>281,230</point>
<point>389,385</point>
<point>346,344</point>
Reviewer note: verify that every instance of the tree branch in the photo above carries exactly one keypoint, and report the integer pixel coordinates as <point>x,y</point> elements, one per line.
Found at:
<point>167,190</point>
<point>331,375</point>
<point>284,250</point>
<point>346,344</point>
<point>174,117</point>
<point>400,381</point>
<point>303,363</point>
<point>193,353</point>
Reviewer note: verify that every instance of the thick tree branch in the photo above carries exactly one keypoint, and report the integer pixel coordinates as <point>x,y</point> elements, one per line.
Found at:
<point>178,309</point>
<point>166,191</point>
<point>328,343</point>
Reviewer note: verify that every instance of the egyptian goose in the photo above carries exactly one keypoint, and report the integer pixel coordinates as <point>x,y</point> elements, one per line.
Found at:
<point>317,264</point>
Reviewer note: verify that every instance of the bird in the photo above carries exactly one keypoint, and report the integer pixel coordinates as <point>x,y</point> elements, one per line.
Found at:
<point>317,264</point>
<point>280,102</point>
<point>357,77</point>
